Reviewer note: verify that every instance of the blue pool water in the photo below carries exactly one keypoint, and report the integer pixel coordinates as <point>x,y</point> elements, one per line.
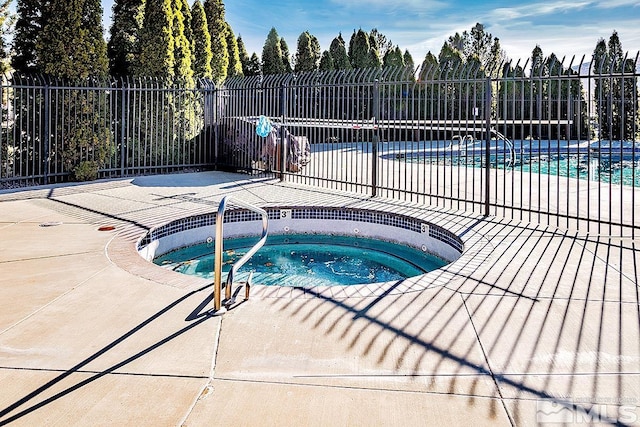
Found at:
<point>615,163</point>
<point>308,260</point>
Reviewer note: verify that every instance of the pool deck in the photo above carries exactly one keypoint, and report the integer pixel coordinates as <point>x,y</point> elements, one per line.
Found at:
<point>540,325</point>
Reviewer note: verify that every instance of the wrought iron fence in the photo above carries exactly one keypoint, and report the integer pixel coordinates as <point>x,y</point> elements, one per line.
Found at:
<point>551,143</point>
<point>53,131</point>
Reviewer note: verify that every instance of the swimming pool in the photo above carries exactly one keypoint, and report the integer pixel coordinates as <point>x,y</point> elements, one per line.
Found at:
<point>308,260</point>
<point>615,163</point>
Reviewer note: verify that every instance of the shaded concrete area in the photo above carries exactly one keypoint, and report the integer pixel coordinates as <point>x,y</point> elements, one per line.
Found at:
<point>540,325</point>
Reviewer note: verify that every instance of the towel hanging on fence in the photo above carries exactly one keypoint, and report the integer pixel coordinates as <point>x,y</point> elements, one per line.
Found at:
<point>263,127</point>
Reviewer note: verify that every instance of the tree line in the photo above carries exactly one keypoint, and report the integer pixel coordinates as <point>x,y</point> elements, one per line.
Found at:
<point>169,40</point>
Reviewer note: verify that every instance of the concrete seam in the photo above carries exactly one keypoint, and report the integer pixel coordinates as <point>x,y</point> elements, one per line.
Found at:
<point>207,385</point>
<point>486,358</point>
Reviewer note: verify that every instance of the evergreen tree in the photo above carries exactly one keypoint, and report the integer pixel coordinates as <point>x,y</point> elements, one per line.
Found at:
<point>382,43</point>
<point>71,47</point>
<point>156,42</point>
<point>235,65</point>
<point>253,67</point>
<point>316,50</point>
<point>243,55</point>
<point>123,46</point>
<point>29,24</point>
<point>394,58</point>
<point>188,30</point>
<point>326,62</point>
<point>201,42</point>
<point>338,52</point>
<point>214,9</point>
<point>272,62</point>
<point>450,59</point>
<point>621,100</point>
<point>187,18</point>
<point>601,87</point>
<point>408,60</point>
<point>450,64</point>
<point>537,62</point>
<point>182,54</point>
<point>359,47</point>
<point>307,55</point>
<point>616,64</point>
<point>375,60</point>
<point>286,56</point>
<point>479,45</point>
<point>71,44</point>
<point>6,23</point>
<point>429,66</point>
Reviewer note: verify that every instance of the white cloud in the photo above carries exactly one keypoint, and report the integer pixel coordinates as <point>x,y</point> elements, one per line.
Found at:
<point>536,9</point>
<point>610,4</point>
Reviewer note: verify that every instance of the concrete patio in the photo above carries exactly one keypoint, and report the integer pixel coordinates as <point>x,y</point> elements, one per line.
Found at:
<point>543,329</point>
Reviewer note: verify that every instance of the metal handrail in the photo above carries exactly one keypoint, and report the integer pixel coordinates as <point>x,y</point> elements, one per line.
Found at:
<point>217,290</point>
<point>512,150</point>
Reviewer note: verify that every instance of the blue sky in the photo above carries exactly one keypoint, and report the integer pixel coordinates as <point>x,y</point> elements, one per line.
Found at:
<point>563,27</point>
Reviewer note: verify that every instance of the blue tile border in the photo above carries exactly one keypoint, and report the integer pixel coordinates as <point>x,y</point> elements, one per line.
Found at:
<point>315,212</point>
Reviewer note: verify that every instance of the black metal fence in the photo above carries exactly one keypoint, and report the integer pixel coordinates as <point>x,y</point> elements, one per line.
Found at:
<point>553,143</point>
<point>52,131</point>
<point>548,143</point>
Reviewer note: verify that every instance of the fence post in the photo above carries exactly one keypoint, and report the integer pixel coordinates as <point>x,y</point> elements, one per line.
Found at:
<point>123,127</point>
<point>45,140</point>
<point>487,147</point>
<point>376,139</point>
<point>283,139</point>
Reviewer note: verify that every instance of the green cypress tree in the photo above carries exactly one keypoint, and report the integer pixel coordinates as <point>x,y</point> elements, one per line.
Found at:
<point>188,29</point>
<point>272,62</point>
<point>359,47</point>
<point>186,16</point>
<point>286,56</point>
<point>394,58</point>
<point>306,58</point>
<point>601,87</point>
<point>253,67</point>
<point>156,42</point>
<point>382,43</point>
<point>408,60</point>
<point>235,66</point>
<point>243,55</point>
<point>316,52</point>
<point>537,61</point>
<point>182,54</point>
<point>123,45</point>
<point>201,42</point>
<point>6,23</point>
<point>479,45</point>
<point>71,44</point>
<point>375,60</point>
<point>326,62</point>
<point>428,66</point>
<point>28,26</point>
<point>71,47</point>
<point>621,89</point>
<point>339,54</point>
<point>214,9</point>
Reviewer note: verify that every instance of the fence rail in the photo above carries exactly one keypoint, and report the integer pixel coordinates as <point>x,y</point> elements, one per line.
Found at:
<point>548,143</point>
